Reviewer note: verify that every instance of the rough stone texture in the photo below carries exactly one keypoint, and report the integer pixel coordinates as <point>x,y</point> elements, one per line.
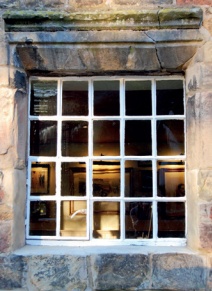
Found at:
<point>56,273</point>
<point>5,236</point>
<point>178,271</point>
<point>11,272</point>
<point>205,184</point>
<point>106,271</point>
<point>118,272</point>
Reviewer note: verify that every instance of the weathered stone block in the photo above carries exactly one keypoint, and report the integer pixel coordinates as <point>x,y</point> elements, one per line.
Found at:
<point>143,2</point>
<point>4,76</point>
<point>194,2</point>
<point>205,235</point>
<point>117,272</point>
<point>56,273</point>
<point>53,3</point>
<point>9,4</point>
<point>180,271</point>
<point>6,119</point>
<point>5,236</point>
<point>199,122</point>
<point>205,185</point>
<point>11,272</point>
<point>88,2</point>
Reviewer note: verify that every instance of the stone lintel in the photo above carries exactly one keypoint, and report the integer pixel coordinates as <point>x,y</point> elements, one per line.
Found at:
<point>101,58</point>
<point>178,18</point>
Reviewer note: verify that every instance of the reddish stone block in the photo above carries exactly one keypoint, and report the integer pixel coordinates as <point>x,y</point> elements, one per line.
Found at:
<point>194,2</point>
<point>206,235</point>
<point>5,236</point>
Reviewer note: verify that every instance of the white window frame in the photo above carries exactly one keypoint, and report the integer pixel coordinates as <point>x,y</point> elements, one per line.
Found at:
<point>67,241</point>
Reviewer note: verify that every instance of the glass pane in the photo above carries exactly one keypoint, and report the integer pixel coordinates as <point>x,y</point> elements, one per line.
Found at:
<point>43,138</point>
<point>106,138</point>
<point>75,98</point>
<point>75,138</point>
<point>138,179</point>
<point>138,140</point>
<point>43,98</point>
<point>138,98</point>
<point>106,98</point>
<point>170,97</point>
<point>73,180</point>
<point>170,137</point>
<point>138,220</point>
<point>106,178</point>
<point>171,179</point>
<point>42,218</point>
<point>42,179</point>
<point>73,218</point>
<point>171,220</point>
<point>106,223</point>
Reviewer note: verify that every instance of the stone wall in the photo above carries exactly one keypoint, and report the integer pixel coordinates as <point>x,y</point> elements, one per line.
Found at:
<point>162,37</point>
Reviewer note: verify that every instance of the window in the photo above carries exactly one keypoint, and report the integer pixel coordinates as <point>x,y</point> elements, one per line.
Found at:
<point>106,160</point>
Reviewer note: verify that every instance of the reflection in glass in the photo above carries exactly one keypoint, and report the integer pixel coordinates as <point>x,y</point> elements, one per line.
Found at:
<point>42,218</point>
<point>171,219</point>
<point>171,179</point>
<point>138,178</point>
<point>106,221</point>
<point>42,178</point>
<point>170,97</point>
<point>43,98</point>
<point>73,180</point>
<point>43,138</point>
<point>138,140</point>
<point>138,220</point>
<point>138,98</point>
<point>170,137</point>
<point>75,98</point>
<point>106,178</point>
<point>106,98</point>
<point>73,218</point>
<point>106,137</point>
<point>75,138</point>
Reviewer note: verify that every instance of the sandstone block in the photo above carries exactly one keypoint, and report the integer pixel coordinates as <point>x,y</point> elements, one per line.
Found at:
<point>4,76</point>
<point>205,185</point>
<point>5,236</point>
<point>116,271</point>
<point>56,273</point>
<point>205,235</point>
<point>180,271</point>
<point>11,272</point>
<point>194,2</point>
<point>143,2</point>
<point>6,119</point>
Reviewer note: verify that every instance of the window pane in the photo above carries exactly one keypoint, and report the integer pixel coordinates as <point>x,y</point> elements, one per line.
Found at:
<point>171,220</point>
<point>138,179</point>
<point>106,178</point>
<point>73,180</point>
<point>43,98</point>
<point>73,218</point>
<point>75,98</point>
<point>42,179</point>
<point>42,218</point>
<point>138,98</point>
<point>43,136</point>
<point>171,179</point>
<point>106,223</point>
<point>138,220</point>
<point>106,138</point>
<point>170,97</point>
<point>170,137</point>
<point>106,98</point>
<point>138,140</point>
<point>75,138</point>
